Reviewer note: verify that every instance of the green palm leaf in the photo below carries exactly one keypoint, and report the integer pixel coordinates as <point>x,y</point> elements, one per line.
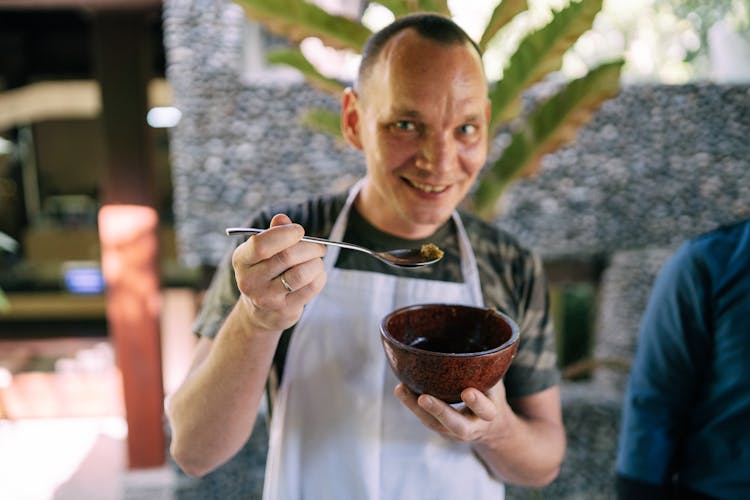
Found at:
<point>539,54</point>
<point>404,7</point>
<point>297,20</point>
<point>440,6</point>
<point>501,16</point>
<point>553,123</point>
<point>297,60</point>
<point>323,120</point>
<point>397,7</point>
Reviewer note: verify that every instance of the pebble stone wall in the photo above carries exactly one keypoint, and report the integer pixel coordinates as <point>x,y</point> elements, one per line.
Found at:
<point>624,292</point>
<point>239,145</point>
<point>656,165</point>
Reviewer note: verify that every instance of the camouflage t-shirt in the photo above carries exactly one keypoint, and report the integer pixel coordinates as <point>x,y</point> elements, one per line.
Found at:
<point>512,281</point>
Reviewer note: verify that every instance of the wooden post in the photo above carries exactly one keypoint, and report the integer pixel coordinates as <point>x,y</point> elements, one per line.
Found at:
<point>128,224</point>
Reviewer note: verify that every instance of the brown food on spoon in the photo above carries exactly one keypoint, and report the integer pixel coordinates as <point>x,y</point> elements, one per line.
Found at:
<point>431,251</point>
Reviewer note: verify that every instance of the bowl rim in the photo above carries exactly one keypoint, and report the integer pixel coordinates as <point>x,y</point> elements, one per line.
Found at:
<point>514,336</point>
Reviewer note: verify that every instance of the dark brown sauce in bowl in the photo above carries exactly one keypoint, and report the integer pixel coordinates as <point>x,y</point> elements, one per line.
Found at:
<point>450,345</point>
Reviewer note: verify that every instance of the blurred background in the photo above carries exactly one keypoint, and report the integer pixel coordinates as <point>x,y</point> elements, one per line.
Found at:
<point>133,131</point>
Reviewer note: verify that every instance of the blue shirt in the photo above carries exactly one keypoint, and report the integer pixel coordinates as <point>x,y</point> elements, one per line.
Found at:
<point>686,415</point>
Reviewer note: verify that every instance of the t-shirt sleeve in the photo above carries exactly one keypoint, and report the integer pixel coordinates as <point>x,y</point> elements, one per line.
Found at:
<point>535,367</point>
<point>219,299</point>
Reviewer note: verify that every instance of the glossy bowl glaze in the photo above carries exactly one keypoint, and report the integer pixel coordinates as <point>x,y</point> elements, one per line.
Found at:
<point>441,349</point>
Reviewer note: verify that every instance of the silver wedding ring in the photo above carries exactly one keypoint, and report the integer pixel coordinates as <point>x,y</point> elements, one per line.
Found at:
<point>286,285</point>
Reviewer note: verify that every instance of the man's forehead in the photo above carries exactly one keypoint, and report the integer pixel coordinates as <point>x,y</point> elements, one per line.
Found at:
<point>409,44</point>
<point>409,55</point>
<point>404,41</point>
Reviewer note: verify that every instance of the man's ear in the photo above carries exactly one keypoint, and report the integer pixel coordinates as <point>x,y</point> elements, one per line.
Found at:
<point>350,118</point>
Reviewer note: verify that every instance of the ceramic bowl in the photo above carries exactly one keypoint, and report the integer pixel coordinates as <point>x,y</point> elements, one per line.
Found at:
<point>441,349</point>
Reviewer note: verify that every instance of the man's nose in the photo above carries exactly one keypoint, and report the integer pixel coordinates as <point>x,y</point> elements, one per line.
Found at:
<point>438,152</point>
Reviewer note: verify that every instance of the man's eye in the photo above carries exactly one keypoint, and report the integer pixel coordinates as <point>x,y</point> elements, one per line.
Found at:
<point>404,125</point>
<point>468,129</point>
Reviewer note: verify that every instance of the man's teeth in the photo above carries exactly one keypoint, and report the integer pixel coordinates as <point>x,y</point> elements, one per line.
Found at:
<point>428,188</point>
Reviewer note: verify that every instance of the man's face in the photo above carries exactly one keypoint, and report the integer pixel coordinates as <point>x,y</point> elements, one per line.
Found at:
<point>421,120</point>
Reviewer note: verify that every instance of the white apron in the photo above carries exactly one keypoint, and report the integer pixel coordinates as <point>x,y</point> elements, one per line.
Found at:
<point>337,430</point>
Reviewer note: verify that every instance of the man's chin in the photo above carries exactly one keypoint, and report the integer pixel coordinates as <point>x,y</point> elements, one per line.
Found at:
<point>429,220</point>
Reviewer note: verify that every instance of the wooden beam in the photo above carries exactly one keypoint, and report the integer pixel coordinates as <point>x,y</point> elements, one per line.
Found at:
<point>80,4</point>
<point>48,101</point>
<point>53,306</point>
<point>128,224</point>
<point>52,100</point>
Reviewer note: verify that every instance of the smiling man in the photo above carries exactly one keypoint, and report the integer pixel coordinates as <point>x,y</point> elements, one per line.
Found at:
<point>284,315</point>
<point>420,115</point>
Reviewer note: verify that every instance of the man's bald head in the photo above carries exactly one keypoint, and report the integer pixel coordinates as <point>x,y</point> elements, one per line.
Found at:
<point>431,26</point>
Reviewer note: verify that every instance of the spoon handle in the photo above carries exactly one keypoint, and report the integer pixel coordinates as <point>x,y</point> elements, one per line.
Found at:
<point>252,230</point>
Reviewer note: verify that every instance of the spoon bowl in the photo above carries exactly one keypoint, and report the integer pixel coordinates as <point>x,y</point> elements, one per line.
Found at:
<point>409,257</point>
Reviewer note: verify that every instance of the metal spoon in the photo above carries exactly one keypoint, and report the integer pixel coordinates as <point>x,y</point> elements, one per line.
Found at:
<point>412,257</point>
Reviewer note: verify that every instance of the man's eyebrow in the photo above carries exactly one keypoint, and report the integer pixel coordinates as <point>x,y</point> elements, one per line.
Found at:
<point>474,117</point>
<point>407,112</point>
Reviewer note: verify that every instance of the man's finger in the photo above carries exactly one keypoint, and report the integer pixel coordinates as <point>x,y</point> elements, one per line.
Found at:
<point>265,245</point>
<point>479,404</point>
<point>280,220</point>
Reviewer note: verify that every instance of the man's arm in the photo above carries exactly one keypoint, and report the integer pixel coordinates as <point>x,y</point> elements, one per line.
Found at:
<point>213,411</point>
<point>673,344</point>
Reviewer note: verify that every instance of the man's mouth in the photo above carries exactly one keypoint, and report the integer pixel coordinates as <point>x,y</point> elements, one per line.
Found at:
<point>427,188</point>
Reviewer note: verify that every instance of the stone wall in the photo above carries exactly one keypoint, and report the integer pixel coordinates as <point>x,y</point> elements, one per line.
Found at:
<point>239,145</point>
<point>656,165</point>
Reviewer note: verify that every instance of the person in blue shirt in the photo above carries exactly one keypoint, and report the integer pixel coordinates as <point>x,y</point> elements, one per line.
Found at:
<point>686,415</point>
